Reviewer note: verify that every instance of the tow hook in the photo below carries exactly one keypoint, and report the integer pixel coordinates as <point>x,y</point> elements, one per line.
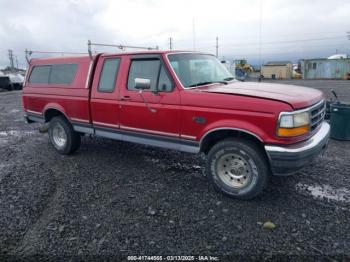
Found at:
<point>44,128</point>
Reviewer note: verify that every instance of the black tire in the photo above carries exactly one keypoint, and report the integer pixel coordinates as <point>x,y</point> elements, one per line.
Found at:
<point>238,168</point>
<point>72,138</point>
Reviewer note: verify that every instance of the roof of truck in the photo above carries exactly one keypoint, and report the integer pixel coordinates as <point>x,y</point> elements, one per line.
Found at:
<point>82,58</point>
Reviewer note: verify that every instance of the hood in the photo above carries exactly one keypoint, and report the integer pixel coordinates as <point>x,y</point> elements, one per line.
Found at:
<point>297,96</point>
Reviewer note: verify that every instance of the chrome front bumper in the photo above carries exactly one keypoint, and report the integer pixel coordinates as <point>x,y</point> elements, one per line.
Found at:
<point>285,160</point>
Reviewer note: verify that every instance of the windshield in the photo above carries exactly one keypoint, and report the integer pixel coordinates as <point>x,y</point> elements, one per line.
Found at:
<point>198,69</point>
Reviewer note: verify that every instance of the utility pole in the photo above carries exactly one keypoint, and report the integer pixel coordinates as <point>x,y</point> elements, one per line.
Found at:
<point>194,34</point>
<point>17,62</point>
<point>11,60</point>
<point>217,47</point>
<point>260,36</point>
<point>348,34</point>
<point>170,43</point>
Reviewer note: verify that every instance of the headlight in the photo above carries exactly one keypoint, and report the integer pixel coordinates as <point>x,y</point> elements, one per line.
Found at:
<point>293,124</point>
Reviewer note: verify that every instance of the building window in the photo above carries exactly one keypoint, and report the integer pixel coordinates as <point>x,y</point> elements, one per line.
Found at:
<point>109,75</point>
<point>313,66</point>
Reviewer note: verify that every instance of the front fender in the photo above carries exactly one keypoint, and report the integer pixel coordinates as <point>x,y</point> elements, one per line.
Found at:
<point>230,124</point>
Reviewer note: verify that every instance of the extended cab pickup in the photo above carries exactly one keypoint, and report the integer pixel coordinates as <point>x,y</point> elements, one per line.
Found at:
<point>182,101</point>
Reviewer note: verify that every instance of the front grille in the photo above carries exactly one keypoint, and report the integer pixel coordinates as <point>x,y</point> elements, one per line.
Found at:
<point>317,113</point>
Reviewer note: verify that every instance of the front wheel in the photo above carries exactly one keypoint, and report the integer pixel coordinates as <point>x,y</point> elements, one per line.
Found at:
<point>238,168</point>
<point>62,136</point>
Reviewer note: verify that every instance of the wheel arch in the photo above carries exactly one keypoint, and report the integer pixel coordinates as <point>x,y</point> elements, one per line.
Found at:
<point>211,137</point>
<point>52,111</point>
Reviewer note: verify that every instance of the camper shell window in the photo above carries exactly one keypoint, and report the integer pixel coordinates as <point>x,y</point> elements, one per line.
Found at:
<point>62,74</point>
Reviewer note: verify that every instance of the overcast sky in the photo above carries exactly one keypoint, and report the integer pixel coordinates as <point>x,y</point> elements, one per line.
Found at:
<point>290,29</point>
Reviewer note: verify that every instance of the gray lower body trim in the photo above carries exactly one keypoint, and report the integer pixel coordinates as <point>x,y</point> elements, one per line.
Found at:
<point>83,128</point>
<point>151,140</point>
<point>30,118</point>
<point>130,136</point>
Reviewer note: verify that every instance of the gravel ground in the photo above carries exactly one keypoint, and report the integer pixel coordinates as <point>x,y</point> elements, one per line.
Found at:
<point>113,199</point>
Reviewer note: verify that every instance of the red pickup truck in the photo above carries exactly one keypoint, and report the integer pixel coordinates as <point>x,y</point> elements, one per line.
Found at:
<point>183,101</point>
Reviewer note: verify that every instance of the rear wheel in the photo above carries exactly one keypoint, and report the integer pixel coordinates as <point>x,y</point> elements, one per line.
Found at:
<point>62,136</point>
<point>238,168</point>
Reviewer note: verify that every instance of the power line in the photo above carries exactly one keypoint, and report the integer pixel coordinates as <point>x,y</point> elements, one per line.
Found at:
<point>244,54</point>
<point>288,41</point>
<point>274,35</point>
<point>270,47</point>
<point>252,45</point>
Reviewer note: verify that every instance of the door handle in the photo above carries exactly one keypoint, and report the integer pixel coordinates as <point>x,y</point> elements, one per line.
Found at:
<point>125,98</point>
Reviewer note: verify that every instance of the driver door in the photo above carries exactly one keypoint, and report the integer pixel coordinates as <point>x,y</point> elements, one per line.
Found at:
<point>163,99</point>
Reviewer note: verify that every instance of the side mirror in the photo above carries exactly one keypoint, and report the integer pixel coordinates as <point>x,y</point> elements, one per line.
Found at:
<point>142,83</point>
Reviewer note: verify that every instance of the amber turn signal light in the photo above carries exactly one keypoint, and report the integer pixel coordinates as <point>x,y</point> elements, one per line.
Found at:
<point>295,131</point>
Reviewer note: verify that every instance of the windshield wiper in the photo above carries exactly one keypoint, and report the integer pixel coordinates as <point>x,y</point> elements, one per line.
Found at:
<point>229,78</point>
<point>207,83</point>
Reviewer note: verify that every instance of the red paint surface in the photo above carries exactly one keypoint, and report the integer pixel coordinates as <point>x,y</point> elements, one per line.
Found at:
<point>253,107</point>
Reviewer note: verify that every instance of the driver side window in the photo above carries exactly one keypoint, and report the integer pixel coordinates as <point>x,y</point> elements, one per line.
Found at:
<point>150,69</point>
<point>144,69</point>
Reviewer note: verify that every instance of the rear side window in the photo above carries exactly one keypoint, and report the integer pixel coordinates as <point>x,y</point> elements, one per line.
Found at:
<point>148,69</point>
<point>62,73</point>
<point>40,74</point>
<point>109,75</point>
